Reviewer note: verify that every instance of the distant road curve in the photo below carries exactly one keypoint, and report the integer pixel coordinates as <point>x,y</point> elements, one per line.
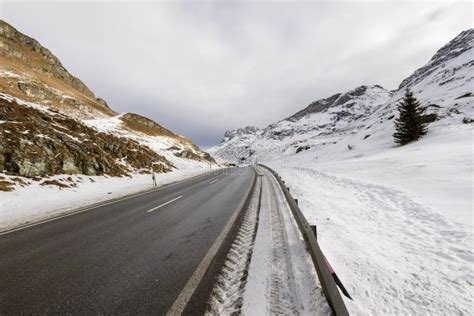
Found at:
<point>136,256</point>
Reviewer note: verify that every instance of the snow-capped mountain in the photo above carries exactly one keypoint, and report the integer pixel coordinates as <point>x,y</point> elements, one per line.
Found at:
<point>52,123</point>
<point>451,64</point>
<point>362,119</point>
<point>396,221</point>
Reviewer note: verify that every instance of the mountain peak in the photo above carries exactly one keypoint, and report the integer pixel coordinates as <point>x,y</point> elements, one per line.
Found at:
<point>239,133</point>
<point>15,39</point>
<point>456,47</point>
<point>337,99</point>
<point>31,71</point>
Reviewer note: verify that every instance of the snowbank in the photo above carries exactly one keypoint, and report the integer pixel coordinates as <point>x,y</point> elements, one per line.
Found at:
<point>397,224</point>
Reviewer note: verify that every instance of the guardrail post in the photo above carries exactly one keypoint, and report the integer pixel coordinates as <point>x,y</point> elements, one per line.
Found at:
<point>296,201</point>
<point>315,231</point>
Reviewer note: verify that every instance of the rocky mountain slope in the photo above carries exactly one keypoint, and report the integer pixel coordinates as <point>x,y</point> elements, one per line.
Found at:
<point>52,123</point>
<point>362,119</point>
<point>31,72</point>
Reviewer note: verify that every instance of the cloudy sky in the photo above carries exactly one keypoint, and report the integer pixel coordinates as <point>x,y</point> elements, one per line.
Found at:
<point>201,68</point>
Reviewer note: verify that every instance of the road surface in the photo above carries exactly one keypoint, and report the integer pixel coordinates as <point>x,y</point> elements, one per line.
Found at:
<point>134,256</point>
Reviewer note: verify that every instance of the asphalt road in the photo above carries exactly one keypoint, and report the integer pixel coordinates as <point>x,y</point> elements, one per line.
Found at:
<point>130,257</point>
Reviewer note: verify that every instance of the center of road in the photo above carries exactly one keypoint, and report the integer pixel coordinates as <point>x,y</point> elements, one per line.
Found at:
<point>166,203</point>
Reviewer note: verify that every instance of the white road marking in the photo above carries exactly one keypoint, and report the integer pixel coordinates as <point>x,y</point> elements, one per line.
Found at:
<point>170,201</point>
<point>100,204</point>
<point>213,181</point>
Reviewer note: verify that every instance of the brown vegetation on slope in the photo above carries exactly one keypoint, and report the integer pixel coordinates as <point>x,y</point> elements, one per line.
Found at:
<point>32,73</point>
<point>147,126</point>
<point>39,143</point>
<point>41,77</point>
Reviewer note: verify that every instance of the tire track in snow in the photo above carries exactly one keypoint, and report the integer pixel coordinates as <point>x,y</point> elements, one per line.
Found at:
<point>282,298</point>
<point>227,295</point>
<point>268,270</point>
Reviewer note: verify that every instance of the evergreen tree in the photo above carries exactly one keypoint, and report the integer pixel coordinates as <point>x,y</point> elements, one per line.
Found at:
<point>410,125</point>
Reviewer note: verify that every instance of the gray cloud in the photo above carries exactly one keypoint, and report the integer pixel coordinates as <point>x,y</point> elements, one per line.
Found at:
<point>201,68</point>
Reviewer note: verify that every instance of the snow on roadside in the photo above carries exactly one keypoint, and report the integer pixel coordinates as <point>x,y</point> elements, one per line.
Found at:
<point>35,202</point>
<point>436,171</point>
<point>395,256</point>
<point>396,224</point>
<point>292,286</point>
<point>268,270</point>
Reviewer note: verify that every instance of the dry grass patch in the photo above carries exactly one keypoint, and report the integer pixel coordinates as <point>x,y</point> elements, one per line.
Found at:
<point>6,186</point>
<point>146,126</point>
<point>20,181</point>
<point>54,183</point>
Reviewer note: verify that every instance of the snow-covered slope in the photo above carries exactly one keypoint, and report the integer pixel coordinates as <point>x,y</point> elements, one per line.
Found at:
<point>363,117</point>
<point>395,222</point>
<point>333,117</point>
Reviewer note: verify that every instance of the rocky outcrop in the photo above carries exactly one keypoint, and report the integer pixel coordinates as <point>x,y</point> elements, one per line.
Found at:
<point>144,125</point>
<point>187,152</point>
<point>35,142</point>
<point>239,133</point>
<point>314,107</point>
<point>335,100</point>
<point>31,72</point>
<point>35,56</point>
<point>461,44</point>
<point>147,126</point>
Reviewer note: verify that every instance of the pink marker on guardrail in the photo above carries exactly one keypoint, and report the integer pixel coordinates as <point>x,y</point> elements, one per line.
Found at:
<point>336,278</point>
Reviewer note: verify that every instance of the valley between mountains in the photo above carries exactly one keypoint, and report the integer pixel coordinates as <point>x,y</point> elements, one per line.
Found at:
<point>134,199</point>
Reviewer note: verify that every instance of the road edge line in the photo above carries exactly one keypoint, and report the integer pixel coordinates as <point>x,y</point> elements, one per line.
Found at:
<point>92,206</point>
<point>187,292</point>
<point>164,204</point>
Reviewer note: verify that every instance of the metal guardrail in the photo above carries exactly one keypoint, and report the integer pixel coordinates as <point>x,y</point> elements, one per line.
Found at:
<point>326,279</point>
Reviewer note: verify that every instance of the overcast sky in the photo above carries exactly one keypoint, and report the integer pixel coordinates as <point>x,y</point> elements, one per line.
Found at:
<point>201,68</point>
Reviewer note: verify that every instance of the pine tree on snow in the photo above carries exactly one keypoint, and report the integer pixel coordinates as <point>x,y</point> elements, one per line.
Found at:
<point>410,125</point>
